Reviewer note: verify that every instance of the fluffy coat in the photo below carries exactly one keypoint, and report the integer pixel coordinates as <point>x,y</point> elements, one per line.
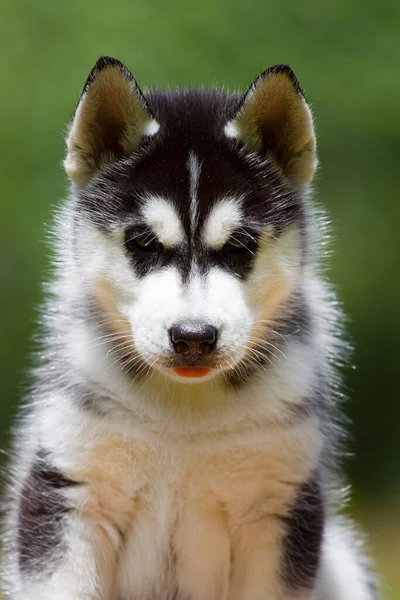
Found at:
<point>189,214</point>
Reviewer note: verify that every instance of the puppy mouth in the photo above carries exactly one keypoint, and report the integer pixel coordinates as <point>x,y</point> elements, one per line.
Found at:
<point>192,372</point>
<point>192,369</point>
<point>210,361</point>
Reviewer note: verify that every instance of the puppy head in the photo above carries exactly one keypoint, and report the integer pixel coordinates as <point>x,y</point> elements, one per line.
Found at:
<point>190,221</point>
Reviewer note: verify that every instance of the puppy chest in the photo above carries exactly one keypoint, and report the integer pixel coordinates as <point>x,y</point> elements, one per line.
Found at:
<point>174,543</point>
<point>186,525</point>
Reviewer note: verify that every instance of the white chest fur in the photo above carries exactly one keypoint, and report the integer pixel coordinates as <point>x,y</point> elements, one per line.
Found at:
<point>146,561</point>
<point>187,518</point>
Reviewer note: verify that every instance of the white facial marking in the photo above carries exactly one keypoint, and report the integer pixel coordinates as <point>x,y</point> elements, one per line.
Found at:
<point>194,175</point>
<point>231,130</point>
<point>151,127</point>
<point>162,217</point>
<point>223,219</point>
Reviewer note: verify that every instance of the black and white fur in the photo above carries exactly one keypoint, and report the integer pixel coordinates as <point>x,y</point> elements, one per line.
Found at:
<point>130,481</point>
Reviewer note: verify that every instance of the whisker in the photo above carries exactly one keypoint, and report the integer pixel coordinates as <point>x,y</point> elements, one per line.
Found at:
<point>262,343</point>
<point>117,347</point>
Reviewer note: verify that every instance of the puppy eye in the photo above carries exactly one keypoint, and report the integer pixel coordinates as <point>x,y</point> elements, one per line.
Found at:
<point>240,244</point>
<point>143,244</point>
<point>146,244</point>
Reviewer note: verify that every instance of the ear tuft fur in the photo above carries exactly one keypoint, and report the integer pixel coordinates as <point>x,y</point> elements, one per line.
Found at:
<point>274,119</point>
<point>111,118</point>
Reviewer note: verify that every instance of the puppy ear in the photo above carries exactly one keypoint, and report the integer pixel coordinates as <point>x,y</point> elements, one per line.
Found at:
<point>111,118</point>
<point>274,119</point>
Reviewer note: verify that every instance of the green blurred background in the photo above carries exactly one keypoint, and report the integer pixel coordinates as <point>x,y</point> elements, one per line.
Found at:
<point>347,57</point>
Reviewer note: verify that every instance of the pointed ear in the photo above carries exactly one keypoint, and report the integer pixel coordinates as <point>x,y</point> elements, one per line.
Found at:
<point>274,119</point>
<point>109,123</point>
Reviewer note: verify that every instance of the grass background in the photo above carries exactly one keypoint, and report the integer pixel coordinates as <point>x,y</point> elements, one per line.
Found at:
<point>346,55</point>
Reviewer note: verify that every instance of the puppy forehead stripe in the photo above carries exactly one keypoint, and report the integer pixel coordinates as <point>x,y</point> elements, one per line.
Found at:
<point>223,219</point>
<point>162,217</point>
<point>194,168</point>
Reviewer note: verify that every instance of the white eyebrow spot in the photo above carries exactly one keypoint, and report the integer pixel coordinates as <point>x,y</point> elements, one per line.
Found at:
<point>162,217</point>
<point>194,168</point>
<point>151,127</point>
<point>223,219</point>
<point>231,130</point>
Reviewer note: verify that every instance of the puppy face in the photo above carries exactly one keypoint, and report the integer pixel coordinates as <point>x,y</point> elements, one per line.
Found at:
<point>191,245</point>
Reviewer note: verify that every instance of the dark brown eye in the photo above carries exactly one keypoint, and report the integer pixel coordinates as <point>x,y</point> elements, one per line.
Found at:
<point>143,244</point>
<point>239,244</point>
<point>146,244</point>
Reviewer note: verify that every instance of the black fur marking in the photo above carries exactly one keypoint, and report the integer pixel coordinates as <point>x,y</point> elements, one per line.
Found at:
<point>302,543</point>
<point>42,509</point>
<point>144,261</point>
<point>192,122</point>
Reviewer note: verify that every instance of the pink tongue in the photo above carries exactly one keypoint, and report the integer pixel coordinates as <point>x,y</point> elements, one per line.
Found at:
<point>192,371</point>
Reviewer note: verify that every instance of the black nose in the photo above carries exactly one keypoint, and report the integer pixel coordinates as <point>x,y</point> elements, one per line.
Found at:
<point>193,337</point>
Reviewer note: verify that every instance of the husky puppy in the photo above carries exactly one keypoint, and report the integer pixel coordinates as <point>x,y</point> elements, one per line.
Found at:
<point>179,442</point>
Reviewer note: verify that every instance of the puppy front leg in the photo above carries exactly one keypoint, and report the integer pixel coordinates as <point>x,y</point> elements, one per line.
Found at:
<point>60,552</point>
<point>256,563</point>
<point>278,557</point>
